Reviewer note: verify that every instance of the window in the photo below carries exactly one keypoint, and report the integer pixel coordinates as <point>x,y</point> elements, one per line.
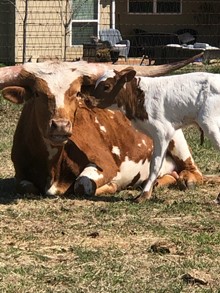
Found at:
<point>84,20</point>
<point>154,6</point>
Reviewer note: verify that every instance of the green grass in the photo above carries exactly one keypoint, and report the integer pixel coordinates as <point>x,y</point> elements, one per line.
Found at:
<point>95,246</point>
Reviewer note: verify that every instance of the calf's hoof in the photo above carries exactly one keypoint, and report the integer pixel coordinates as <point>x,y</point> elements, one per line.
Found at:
<point>143,197</point>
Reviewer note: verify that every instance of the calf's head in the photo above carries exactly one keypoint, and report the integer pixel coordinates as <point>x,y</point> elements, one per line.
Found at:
<point>111,87</point>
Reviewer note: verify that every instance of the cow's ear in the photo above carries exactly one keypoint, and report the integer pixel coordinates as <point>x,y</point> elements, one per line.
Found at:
<point>15,94</point>
<point>88,80</point>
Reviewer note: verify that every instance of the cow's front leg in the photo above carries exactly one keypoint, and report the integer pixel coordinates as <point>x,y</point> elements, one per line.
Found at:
<point>107,188</point>
<point>88,181</point>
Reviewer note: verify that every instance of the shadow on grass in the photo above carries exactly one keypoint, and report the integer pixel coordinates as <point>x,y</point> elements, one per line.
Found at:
<point>7,191</point>
<point>9,195</point>
<point>103,198</point>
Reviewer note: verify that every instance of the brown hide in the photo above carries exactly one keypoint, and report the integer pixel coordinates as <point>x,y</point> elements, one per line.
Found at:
<point>88,144</point>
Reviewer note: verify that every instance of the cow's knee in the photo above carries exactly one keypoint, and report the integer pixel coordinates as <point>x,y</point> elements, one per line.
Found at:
<point>84,186</point>
<point>166,180</point>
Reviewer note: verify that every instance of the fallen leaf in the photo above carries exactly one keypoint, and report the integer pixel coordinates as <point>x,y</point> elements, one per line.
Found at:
<point>93,234</point>
<point>196,277</point>
<point>164,247</point>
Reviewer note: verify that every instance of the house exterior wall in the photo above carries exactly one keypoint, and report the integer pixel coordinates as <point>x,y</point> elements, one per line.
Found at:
<point>45,29</point>
<point>202,16</point>
<point>105,14</point>
<point>45,32</point>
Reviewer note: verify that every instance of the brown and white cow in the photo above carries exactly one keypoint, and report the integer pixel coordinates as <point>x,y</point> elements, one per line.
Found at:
<point>61,146</point>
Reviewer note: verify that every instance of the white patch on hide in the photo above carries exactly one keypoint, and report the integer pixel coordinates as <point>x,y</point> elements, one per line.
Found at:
<point>52,190</point>
<point>112,112</point>
<point>102,128</point>
<point>128,170</point>
<point>144,142</point>
<point>116,150</point>
<point>58,77</point>
<point>89,174</point>
<point>91,171</point>
<point>52,151</point>
<point>106,75</point>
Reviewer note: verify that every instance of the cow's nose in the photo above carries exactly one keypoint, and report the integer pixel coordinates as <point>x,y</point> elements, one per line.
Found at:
<point>61,126</point>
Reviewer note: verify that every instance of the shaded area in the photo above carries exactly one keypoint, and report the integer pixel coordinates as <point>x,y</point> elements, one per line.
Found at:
<point>7,191</point>
<point>9,195</point>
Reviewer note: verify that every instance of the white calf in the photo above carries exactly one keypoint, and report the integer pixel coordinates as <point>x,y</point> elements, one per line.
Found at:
<point>159,106</point>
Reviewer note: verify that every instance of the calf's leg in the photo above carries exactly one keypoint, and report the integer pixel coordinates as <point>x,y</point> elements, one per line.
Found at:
<point>160,147</point>
<point>212,131</point>
<point>189,172</point>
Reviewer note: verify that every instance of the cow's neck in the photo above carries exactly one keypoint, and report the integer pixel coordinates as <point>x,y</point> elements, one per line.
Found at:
<point>54,164</point>
<point>131,100</point>
<point>54,158</point>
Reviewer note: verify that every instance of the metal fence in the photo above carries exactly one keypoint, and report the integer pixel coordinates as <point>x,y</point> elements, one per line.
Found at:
<point>39,29</point>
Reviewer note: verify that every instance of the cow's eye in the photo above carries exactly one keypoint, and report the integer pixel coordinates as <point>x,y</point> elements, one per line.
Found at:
<point>106,87</point>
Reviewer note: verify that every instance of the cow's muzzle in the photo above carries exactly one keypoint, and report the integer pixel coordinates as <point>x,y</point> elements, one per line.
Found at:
<point>60,131</point>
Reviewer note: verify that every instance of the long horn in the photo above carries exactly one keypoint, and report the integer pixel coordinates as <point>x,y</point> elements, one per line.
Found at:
<point>95,70</point>
<point>159,70</point>
<point>9,75</point>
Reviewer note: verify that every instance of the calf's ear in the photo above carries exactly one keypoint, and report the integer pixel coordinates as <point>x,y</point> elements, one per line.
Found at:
<point>126,74</point>
<point>130,75</point>
<point>14,94</point>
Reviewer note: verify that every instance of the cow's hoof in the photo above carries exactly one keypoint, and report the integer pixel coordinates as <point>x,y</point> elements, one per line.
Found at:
<point>182,185</point>
<point>186,184</point>
<point>191,185</point>
<point>143,197</point>
<point>26,187</point>
<point>84,186</point>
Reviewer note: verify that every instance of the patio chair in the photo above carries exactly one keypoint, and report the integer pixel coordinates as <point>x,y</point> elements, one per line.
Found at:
<point>113,39</point>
